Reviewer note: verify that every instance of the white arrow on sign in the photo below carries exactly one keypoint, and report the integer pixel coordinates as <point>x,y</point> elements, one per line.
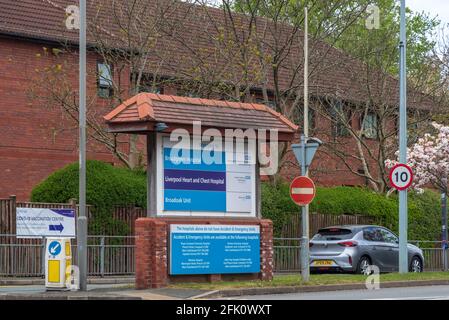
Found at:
<point>53,250</point>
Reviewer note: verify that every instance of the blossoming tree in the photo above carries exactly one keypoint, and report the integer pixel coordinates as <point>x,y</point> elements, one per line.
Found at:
<point>429,160</point>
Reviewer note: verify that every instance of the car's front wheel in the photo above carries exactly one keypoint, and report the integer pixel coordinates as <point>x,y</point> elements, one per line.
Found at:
<point>416,265</point>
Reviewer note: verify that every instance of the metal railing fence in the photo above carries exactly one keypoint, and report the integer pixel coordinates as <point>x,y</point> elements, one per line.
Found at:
<point>107,255</point>
<point>115,255</point>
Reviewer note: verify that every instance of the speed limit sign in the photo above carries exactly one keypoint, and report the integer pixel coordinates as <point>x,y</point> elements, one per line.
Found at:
<point>401,176</point>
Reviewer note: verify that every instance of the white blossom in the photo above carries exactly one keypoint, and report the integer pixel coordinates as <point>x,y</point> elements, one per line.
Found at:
<point>429,159</point>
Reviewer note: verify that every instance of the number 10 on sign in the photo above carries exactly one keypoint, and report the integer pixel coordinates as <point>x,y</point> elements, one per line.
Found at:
<point>401,176</point>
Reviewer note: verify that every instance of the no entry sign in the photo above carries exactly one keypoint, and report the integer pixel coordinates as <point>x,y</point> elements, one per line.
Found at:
<point>302,190</point>
<point>401,176</point>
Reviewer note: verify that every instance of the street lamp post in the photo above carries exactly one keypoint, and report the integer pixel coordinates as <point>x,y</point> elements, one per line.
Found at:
<point>403,252</point>
<point>82,218</point>
<point>305,209</point>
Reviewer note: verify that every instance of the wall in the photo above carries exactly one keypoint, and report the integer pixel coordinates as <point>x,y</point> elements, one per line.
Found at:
<point>35,139</point>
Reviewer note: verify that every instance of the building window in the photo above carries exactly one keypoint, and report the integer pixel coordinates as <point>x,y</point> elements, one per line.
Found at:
<point>341,116</point>
<point>104,82</point>
<point>369,126</point>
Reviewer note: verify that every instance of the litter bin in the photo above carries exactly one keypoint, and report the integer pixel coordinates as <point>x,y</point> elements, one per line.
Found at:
<point>58,261</point>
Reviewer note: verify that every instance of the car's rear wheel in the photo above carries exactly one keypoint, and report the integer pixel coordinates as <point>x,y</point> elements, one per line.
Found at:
<point>362,266</point>
<point>416,265</point>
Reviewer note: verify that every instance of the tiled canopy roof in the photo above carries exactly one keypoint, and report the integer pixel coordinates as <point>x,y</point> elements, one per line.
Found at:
<point>142,111</point>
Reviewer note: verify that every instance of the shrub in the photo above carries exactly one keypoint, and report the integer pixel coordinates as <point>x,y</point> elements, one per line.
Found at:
<point>106,187</point>
<point>423,209</point>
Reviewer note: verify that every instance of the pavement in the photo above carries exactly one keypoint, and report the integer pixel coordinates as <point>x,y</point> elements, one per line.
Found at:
<point>91,280</point>
<point>96,291</point>
<point>120,289</point>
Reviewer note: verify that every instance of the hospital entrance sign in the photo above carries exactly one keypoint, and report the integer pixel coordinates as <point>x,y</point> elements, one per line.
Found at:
<point>214,249</point>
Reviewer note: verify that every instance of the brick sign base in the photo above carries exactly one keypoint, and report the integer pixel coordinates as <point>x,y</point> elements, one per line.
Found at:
<point>152,252</point>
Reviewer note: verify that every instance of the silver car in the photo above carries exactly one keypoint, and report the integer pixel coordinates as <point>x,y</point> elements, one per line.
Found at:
<point>352,248</point>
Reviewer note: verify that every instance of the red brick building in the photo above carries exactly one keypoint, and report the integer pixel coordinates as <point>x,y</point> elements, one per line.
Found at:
<point>37,139</point>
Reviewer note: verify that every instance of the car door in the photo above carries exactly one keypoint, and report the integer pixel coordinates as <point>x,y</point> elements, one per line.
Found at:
<point>391,249</point>
<point>374,247</point>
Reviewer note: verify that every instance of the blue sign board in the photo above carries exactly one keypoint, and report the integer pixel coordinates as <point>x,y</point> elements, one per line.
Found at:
<point>54,248</point>
<point>214,249</point>
<point>193,184</point>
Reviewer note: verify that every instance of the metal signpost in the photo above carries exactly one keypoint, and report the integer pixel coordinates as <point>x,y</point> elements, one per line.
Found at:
<point>401,177</point>
<point>304,153</point>
<point>403,255</point>
<point>82,219</point>
<point>302,190</point>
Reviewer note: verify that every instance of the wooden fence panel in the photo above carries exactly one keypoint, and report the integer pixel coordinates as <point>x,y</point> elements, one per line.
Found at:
<point>317,221</point>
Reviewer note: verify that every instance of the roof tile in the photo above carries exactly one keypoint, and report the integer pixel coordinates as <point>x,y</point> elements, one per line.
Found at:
<point>214,113</point>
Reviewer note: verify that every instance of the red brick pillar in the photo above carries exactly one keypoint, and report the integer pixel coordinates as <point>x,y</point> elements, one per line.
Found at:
<point>266,250</point>
<point>151,253</point>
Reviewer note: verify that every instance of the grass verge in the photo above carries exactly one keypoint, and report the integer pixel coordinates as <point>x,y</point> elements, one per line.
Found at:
<point>315,280</point>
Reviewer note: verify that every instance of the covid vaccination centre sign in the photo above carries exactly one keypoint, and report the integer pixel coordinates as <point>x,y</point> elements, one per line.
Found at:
<point>43,222</point>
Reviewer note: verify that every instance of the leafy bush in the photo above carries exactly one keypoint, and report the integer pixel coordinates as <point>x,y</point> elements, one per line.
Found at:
<point>106,187</point>
<point>423,209</point>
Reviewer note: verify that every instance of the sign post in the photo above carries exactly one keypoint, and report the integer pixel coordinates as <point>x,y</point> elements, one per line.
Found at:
<point>304,153</point>
<point>401,177</point>
<point>302,190</point>
<point>82,220</point>
<point>403,220</point>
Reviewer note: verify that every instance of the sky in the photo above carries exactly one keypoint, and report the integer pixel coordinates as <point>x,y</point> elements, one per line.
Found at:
<point>438,8</point>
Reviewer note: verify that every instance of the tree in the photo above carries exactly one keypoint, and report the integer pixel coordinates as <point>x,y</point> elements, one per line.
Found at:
<point>360,132</point>
<point>255,54</point>
<point>372,114</point>
<point>124,36</point>
<point>429,160</point>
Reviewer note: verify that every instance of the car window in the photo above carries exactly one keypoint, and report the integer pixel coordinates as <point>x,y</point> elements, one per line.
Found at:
<point>330,234</point>
<point>388,236</point>
<point>373,234</point>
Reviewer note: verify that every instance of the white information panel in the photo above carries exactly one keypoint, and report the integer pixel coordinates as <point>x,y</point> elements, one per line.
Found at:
<point>43,222</point>
<point>193,181</point>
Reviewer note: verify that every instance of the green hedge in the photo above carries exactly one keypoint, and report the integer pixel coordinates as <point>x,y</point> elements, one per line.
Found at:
<point>424,209</point>
<point>106,186</point>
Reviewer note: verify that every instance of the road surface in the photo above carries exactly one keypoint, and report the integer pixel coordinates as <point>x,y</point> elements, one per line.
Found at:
<point>408,293</point>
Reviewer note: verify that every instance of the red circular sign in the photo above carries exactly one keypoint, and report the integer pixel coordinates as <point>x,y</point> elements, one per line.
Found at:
<point>401,176</point>
<point>302,190</point>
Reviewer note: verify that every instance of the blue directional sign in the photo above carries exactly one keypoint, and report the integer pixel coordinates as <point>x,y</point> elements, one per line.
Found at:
<point>214,249</point>
<point>54,248</point>
<point>306,151</point>
<point>56,227</point>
